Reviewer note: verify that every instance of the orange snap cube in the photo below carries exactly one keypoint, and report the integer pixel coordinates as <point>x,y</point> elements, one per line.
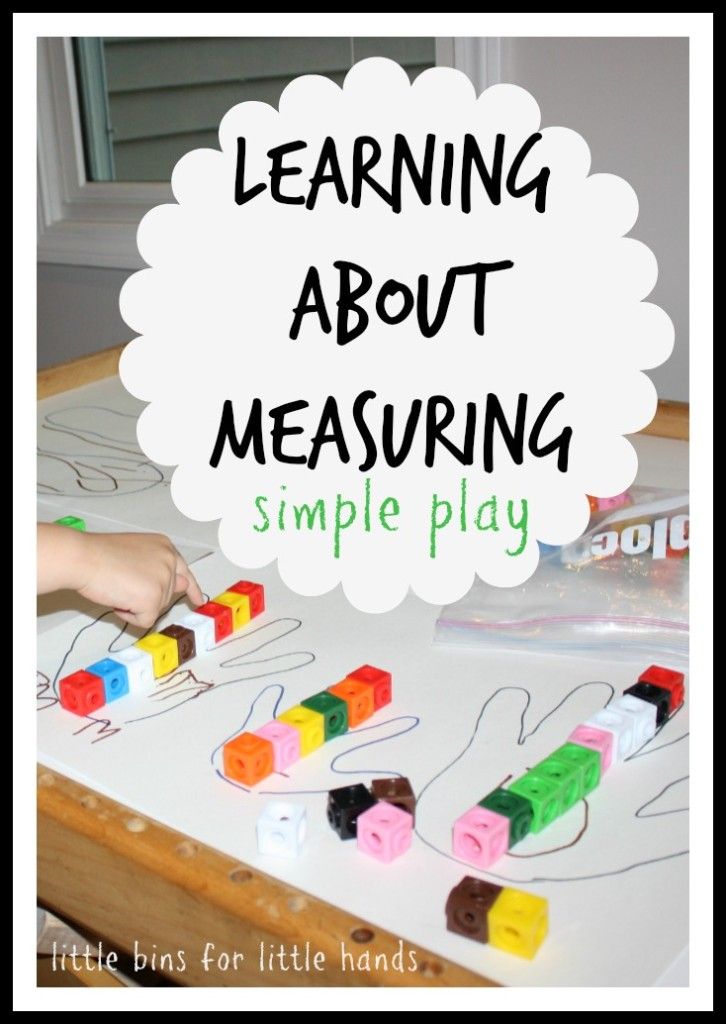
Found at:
<point>248,758</point>
<point>359,698</point>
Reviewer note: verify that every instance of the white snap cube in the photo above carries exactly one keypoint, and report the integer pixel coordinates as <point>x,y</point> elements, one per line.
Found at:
<point>139,666</point>
<point>203,627</point>
<point>642,714</point>
<point>281,829</point>
<point>620,725</point>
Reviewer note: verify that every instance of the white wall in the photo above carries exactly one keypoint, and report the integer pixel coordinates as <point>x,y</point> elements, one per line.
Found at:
<point>78,311</point>
<point>627,97</point>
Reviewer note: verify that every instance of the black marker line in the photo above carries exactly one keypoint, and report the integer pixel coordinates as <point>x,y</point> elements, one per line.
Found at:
<point>661,814</point>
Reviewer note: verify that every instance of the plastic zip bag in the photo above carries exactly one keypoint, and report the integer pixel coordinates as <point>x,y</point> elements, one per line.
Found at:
<point>621,587</point>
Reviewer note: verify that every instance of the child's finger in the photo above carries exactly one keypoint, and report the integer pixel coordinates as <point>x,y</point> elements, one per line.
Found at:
<point>143,620</point>
<point>186,584</point>
<point>191,587</point>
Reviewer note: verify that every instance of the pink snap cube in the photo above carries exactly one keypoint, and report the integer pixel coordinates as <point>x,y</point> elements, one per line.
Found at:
<point>617,501</point>
<point>285,740</point>
<point>481,837</point>
<point>384,831</point>
<point>595,739</point>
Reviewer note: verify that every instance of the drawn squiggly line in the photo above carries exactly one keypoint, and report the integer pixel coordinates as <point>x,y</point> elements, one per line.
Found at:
<point>98,471</point>
<point>520,740</point>
<point>412,719</point>
<point>51,424</point>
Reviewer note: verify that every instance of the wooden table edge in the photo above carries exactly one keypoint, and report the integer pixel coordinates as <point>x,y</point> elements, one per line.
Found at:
<point>122,879</point>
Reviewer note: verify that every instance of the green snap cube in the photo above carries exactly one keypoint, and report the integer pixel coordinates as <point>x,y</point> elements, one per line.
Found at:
<point>568,774</point>
<point>333,709</point>
<point>545,796</point>
<point>585,758</point>
<point>73,521</point>
<point>513,806</point>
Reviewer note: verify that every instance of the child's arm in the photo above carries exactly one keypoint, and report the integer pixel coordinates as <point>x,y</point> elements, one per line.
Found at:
<point>136,574</point>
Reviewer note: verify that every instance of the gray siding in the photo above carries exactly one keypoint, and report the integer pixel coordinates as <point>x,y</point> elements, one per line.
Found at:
<point>167,96</point>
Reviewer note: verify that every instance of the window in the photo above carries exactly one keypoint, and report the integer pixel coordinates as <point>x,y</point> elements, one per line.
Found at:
<point>114,116</point>
<point>145,102</point>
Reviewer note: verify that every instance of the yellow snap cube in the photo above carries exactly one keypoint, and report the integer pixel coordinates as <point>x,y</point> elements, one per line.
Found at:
<point>518,922</point>
<point>164,652</point>
<point>240,605</point>
<point>310,724</point>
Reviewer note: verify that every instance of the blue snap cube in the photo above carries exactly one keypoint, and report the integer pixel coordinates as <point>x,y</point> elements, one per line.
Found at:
<point>114,675</point>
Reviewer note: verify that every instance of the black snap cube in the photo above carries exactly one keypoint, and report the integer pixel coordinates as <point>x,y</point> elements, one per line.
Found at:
<point>344,806</point>
<point>653,695</point>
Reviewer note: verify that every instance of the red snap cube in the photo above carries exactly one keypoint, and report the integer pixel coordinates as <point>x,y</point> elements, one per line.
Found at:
<point>82,692</point>
<point>667,679</point>
<point>222,615</point>
<point>379,679</point>
<point>255,592</point>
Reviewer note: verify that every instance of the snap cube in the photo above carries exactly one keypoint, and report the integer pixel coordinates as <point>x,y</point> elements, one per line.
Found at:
<point>513,806</point>
<point>379,679</point>
<point>255,592</point>
<point>81,692</point>
<point>668,680</point>
<point>333,709</point>
<point>239,605</point>
<point>642,714</point>
<point>203,628</point>
<point>480,837</point>
<point>518,922</point>
<point>568,774</point>
<point>621,728</point>
<point>653,695</point>
<point>114,675</point>
<point>248,758</point>
<point>344,806</point>
<point>285,740</point>
<point>617,501</point>
<point>163,650</point>
<point>221,615</point>
<point>281,829</point>
<point>596,739</point>
<point>384,832</point>
<point>397,791</point>
<point>585,759</point>
<point>359,698</point>
<point>310,724</point>
<point>468,905</point>
<point>185,641</point>
<point>543,794</point>
<point>73,521</point>
<point>139,667</point>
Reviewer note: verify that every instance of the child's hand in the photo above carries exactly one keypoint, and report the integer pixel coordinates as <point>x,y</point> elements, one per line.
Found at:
<point>136,574</point>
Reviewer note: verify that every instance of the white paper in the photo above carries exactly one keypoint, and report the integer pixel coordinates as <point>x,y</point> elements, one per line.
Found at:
<point>608,929</point>
<point>617,888</point>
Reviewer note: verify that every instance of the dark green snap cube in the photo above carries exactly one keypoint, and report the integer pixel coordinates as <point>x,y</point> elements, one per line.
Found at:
<point>513,806</point>
<point>334,711</point>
